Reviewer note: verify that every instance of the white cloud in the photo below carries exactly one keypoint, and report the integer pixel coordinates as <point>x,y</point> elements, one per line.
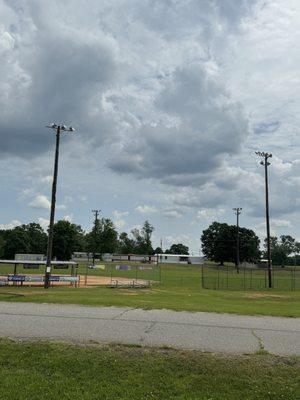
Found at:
<point>117,218</point>
<point>281,223</point>
<point>169,240</point>
<point>10,225</point>
<point>47,179</point>
<point>68,217</point>
<point>44,222</point>
<point>145,209</point>
<point>210,214</point>
<point>40,201</point>
<point>173,213</point>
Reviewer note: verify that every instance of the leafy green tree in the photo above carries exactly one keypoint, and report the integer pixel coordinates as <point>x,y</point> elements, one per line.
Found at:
<point>16,241</point>
<point>126,245</point>
<point>103,238</point>
<point>66,239</point>
<point>219,243</point>
<point>2,244</point>
<point>158,250</point>
<point>178,248</point>
<point>109,236</point>
<point>143,244</point>
<point>281,249</point>
<point>37,238</point>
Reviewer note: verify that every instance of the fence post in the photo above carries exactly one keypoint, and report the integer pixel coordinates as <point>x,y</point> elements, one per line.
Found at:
<point>202,276</point>
<point>244,278</point>
<point>251,278</point>
<point>265,278</point>
<point>227,276</point>
<point>218,284</point>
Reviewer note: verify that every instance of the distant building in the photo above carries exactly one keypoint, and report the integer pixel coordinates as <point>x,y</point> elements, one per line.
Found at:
<point>179,259</point>
<point>142,258</point>
<point>30,257</point>
<point>146,258</point>
<point>83,256</point>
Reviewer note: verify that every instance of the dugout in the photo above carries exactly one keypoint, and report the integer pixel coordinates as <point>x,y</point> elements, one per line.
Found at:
<point>21,267</point>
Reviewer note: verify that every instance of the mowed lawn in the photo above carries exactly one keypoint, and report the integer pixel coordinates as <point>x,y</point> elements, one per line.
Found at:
<point>59,371</point>
<point>180,289</point>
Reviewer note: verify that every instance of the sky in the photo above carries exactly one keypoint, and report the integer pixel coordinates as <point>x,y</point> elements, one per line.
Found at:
<point>170,100</point>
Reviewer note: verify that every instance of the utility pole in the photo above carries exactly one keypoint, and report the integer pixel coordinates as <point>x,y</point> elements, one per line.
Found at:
<point>266,163</point>
<point>237,211</point>
<point>58,129</point>
<point>96,213</point>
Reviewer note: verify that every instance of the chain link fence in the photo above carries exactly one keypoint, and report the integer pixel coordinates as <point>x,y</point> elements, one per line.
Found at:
<point>227,278</point>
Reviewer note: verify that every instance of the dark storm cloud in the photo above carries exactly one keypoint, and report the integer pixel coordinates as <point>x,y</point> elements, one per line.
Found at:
<point>51,73</point>
<point>209,125</point>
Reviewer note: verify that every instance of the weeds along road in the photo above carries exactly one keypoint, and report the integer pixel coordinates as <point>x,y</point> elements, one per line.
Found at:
<point>204,331</point>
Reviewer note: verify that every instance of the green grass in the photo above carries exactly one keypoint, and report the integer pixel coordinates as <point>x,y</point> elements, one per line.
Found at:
<point>251,303</point>
<point>59,372</point>
<point>180,290</point>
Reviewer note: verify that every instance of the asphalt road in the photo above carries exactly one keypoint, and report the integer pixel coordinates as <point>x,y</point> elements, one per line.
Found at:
<point>185,330</point>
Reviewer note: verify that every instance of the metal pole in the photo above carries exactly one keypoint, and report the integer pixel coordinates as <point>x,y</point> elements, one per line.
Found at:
<point>96,212</point>
<point>237,212</point>
<point>52,213</point>
<point>266,163</point>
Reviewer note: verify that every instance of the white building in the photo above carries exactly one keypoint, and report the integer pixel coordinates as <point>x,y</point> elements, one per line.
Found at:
<point>82,256</point>
<point>30,257</point>
<point>135,257</point>
<point>179,259</point>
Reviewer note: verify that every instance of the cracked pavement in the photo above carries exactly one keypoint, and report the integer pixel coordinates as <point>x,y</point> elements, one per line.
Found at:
<point>226,333</point>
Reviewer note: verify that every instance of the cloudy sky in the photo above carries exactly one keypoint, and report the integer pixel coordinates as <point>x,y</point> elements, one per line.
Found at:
<point>169,99</point>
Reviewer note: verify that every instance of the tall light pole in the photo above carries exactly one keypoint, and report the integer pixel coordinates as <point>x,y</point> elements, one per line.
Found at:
<point>237,211</point>
<point>96,213</point>
<point>58,129</point>
<point>266,163</point>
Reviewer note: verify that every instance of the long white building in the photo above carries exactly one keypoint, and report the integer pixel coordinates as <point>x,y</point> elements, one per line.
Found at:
<point>179,259</point>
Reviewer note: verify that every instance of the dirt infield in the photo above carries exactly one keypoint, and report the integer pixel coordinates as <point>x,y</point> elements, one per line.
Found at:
<point>106,280</point>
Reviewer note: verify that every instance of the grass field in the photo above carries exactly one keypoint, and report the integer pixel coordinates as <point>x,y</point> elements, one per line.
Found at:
<point>58,372</point>
<point>180,289</point>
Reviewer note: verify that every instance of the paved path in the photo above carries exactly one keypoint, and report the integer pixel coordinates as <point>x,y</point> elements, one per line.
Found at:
<point>205,331</point>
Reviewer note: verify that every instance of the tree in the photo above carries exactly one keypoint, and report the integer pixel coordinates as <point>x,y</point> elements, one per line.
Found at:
<point>109,237</point>
<point>28,239</point>
<point>143,244</point>
<point>37,238</point>
<point>219,243</point>
<point>2,244</point>
<point>16,241</point>
<point>158,250</point>
<point>178,248</point>
<point>67,238</point>
<point>103,238</point>
<point>126,245</point>
<point>282,249</point>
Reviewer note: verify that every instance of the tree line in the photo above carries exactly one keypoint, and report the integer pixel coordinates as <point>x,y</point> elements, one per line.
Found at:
<point>69,237</point>
<point>218,242</point>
